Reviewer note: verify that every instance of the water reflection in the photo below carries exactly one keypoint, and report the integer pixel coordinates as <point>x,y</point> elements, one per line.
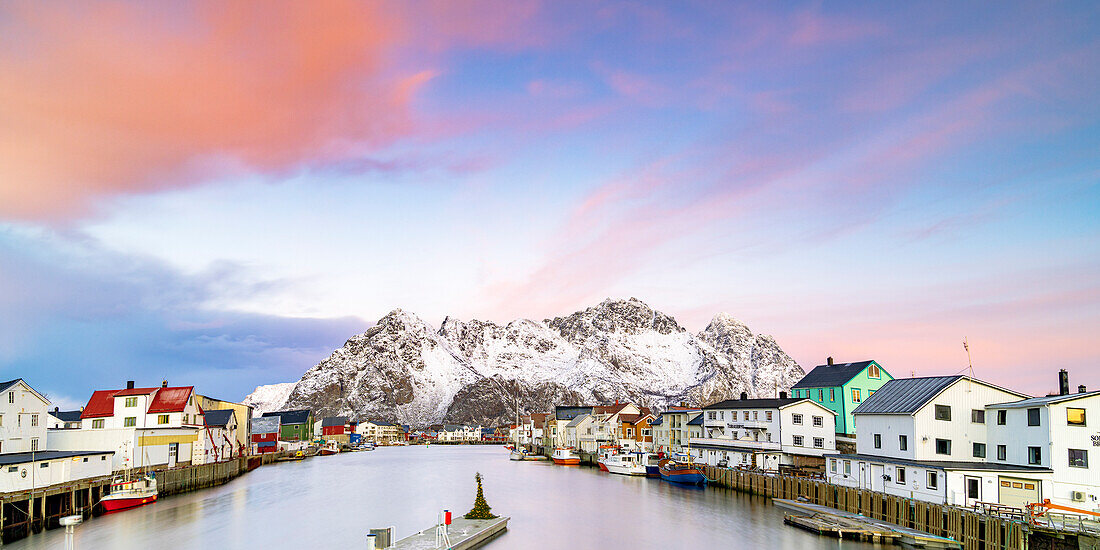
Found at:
<point>333,501</point>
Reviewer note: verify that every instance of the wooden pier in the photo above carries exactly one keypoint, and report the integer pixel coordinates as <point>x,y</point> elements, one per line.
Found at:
<point>830,521</point>
<point>465,534</point>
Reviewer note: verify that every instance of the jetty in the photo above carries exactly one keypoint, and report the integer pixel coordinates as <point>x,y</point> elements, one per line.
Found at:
<point>464,534</point>
<point>832,522</point>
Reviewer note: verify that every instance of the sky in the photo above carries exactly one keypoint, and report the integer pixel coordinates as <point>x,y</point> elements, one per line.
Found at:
<point>221,194</point>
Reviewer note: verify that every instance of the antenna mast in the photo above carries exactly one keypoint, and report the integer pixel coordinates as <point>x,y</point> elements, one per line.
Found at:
<point>969,363</point>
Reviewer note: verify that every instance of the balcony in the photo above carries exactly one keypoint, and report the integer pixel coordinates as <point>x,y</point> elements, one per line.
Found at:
<point>737,444</point>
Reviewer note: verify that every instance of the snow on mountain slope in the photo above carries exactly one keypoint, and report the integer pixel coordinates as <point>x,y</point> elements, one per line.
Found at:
<point>268,398</point>
<point>475,371</point>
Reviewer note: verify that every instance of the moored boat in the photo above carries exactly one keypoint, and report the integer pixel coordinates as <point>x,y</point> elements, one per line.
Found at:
<point>330,448</point>
<point>682,471</point>
<point>518,454</point>
<point>605,452</point>
<point>627,464</point>
<point>565,456</point>
<point>129,493</point>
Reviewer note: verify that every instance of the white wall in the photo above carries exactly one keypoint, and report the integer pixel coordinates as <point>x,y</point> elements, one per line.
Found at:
<point>122,442</point>
<point>19,407</point>
<point>808,410</point>
<point>963,397</point>
<point>61,470</point>
<point>889,427</point>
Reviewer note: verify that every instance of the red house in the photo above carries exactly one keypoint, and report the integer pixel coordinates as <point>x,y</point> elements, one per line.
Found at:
<point>265,434</point>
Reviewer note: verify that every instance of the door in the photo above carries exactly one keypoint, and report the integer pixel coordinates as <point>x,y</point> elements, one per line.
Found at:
<point>877,471</point>
<point>1018,492</point>
<point>864,476</point>
<point>173,452</point>
<point>973,486</point>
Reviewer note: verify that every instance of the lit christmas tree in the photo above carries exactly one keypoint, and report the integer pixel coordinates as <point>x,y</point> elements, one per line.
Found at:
<point>481,508</point>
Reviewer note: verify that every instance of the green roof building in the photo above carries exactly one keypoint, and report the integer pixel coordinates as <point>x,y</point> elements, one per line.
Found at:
<point>841,388</point>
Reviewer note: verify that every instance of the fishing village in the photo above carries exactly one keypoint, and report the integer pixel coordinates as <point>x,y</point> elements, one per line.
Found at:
<point>849,452</point>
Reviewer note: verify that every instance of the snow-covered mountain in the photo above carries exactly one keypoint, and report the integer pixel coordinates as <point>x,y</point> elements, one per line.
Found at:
<point>475,371</point>
<point>268,398</point>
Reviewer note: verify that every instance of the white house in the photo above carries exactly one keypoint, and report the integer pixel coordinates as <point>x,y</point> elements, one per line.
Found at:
<point>24,472</point>
<point>1051,432</point>
<point>23,417</point>
<point>580,433</point>
<point>59,419</point>
<point>141,426</point>
<point>926,438</point>
<point>458,433</point>
<point>766,433</point>
<point>218,441</point>
<point>674,427</point>
<point>554,434</point>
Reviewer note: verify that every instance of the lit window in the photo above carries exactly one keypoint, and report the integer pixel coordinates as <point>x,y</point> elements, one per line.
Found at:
<point>820,395</point>
<point>872,371</point>
<point>856,397</point>
<point>1075,417</point>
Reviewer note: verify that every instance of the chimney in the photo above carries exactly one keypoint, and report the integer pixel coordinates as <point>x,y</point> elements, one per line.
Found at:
<point>58,409</point>
<point>744,395</point>
<point>782,395</point>
<point>129,384</point>
<point>1063,382</point>
<point>164,384</point>
<point>829,361</point>
<point>1081,389</point>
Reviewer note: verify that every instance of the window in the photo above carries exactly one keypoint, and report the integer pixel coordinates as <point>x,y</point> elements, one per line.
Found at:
<point>943,412</point>
<point>44,465</point>
<point>131,402</point>
<point>187,418</point>
<point>768,415</point>
<point>933,480</point>
<point>797,441</point>
<point>878,441</point>
<point>712,415</point>
<point>1002,417</point>
<point>832,394</point>
<point>34,443</point>
<point>13,469</point>
<point>903,443</point>
<point>745,414</point>
<point>97,423</point>
<point>900,475</point>
<point>1075,417</point>
<point>819,442</point>
<point>819,421</point>
<point>796,419</point>
<point>1079,458</point>
<point>943,446</point>
<point>872,371</point>
<point>979,450</point>
<point>85,459</point>
<point>1034,455</point>
<point>756,415</point>
<point>769,434</point>
<point>129,422</point>
<point>1,420</point>
<point>855,395</point>
<point>977,416</point>
<point>847,467</point>
<point>832,465</point>
<point>1002,452</point>
<point>820,395</point>
<point>162,419</point>
<point>1033,417</point>
<point>34,420</point>
<point>11,397</point>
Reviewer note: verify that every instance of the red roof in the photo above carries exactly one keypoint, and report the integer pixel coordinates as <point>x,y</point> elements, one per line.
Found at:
<point>102,402</point>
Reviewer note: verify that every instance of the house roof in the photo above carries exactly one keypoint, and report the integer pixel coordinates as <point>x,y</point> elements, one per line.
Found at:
<point>905,395</point>
<point>8,459</point>
<point>379,423</point>
<point>218,417</point>
<point>65,416</point>
<point>755,403</point>
<point>609,409</point>
<point>10,383</point>
<point>576,421</point>
<point>330,421</point>
<point>657,421</point>
<point>1041,401</point>
<point>831,375</point>
<point>944,464</point>
<point>102,402</point>
<point>265,424</point>
<point>569,413</point>
<point>697,421</point>
<point>300,416</point>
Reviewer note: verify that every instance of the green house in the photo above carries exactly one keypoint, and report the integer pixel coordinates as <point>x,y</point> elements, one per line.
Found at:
<point>295,425</point>
<point>842,387</point>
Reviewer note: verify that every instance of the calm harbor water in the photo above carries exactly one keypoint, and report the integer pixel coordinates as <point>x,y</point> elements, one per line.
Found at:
<point>331,502</point>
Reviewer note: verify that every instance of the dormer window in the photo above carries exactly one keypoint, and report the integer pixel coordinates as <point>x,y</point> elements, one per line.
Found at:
<point>872,371</point>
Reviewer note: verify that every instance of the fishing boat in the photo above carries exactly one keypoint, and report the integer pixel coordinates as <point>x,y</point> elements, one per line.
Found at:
<point>298,455</point>
<point>680,469</point>
<point>605,452</point>
<point>517,454</point>
<point>627,464</point>
<point>127,492</point>
<point>330,448</point>
<point>565,456</point>
<point>652,464</point>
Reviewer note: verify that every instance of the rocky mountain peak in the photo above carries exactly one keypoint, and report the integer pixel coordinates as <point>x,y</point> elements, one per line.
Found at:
<point>631,316</point>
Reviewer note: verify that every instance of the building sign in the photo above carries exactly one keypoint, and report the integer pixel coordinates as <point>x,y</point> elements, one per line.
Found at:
<point>1096,440</point>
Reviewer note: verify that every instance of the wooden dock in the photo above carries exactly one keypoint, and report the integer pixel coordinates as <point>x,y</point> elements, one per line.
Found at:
<point>465,534</point>
<point>830,521</point>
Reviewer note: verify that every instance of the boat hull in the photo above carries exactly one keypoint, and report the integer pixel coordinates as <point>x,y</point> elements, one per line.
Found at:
<point>602,466</point>
<point>631,470</point>
<point>567,461</point>
<point>328,452</point>
<point>685,477</point>
<point>125,503</point>
<point>653,471</point>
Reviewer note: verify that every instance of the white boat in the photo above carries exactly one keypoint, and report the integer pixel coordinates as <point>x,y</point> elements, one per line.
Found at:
<point>517,454</point>
<point>565,456</point>
<point>127,492</point>
<point>627,464</point>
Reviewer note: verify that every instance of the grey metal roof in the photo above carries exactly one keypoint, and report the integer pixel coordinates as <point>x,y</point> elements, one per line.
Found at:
<point>944,464</point>
<point>266,424</point>
<point>905,395</point>
<point>8,459</point>
<point>658,421</point>
<point>826,376</point>
<point>331,421</point>
<point>697,421</point>
<point>292,417</point>
<point>1041,401</point>
<point>218,417</point>
<point>65,416</point>
<point>8,384</point>
<point>577,421</point>
<point>569,413</point>
<point>755,403</point>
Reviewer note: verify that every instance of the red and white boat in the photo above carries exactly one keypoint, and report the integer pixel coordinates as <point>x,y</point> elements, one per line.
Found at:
<point>127,492</point>
<point>330,448</point>
<point>566,456</point>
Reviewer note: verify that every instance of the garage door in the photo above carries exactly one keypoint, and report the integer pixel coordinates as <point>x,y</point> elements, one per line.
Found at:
<point>1018,492</point>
